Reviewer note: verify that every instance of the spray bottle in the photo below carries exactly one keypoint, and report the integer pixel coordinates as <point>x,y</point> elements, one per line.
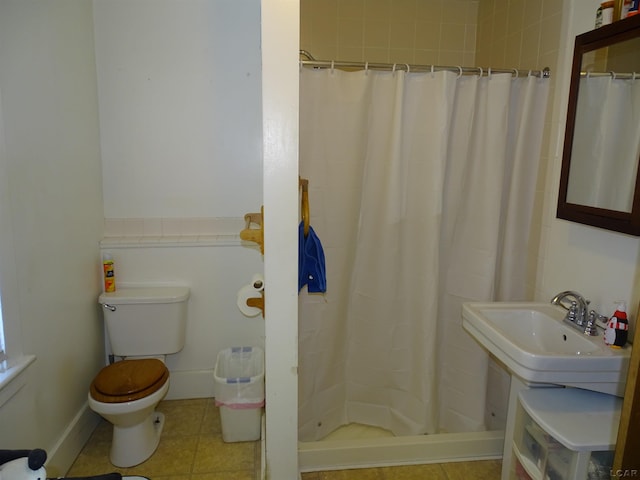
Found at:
<point>109,273</point>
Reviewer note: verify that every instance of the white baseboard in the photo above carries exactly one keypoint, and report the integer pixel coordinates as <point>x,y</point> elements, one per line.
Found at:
<point>63,454</point>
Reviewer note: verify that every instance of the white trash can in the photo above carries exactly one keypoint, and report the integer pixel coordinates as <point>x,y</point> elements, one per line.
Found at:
<point>239,392</point>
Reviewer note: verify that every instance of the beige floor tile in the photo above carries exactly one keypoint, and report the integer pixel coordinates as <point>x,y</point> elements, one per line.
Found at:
<point>480,470</point>
<point>311,476</point>
<point>211,422</point>
<point>183,418</point>
<point>174,456</point>
<point>102,433</point>
<point>94,457</point>
<point>414,472</point>
<point>214,455</point>
<point>355,474</point>
<point>91,463</point>
<point>238,475</point>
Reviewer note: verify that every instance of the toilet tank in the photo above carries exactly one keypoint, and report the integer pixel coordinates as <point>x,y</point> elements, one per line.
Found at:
<point>145,320</point>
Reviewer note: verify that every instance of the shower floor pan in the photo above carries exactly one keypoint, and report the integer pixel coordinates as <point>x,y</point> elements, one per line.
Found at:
<point>358,446</point>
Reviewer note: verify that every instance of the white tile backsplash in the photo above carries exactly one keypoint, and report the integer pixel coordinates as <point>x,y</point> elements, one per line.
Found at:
<point>152,227</point>
<point>145,228</point>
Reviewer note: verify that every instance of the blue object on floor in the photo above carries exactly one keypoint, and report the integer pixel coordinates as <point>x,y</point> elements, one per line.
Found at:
<point>311,264</point>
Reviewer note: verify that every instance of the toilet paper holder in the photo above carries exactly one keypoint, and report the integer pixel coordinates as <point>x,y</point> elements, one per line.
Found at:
<point>257,302</point>
<point>247,298</point>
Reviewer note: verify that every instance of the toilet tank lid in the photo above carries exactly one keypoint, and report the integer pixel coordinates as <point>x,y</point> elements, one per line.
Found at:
<point>135,295</point>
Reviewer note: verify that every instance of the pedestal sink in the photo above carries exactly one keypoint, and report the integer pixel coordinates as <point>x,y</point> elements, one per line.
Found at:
<point>534,343</point>
<point>541,350</point>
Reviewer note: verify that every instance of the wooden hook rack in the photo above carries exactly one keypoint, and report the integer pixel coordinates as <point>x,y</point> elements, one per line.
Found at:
<point>304,204</point>
<point>254,234</point>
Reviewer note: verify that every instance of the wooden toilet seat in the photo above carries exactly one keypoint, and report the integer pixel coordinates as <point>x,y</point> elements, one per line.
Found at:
<point>129,380</point>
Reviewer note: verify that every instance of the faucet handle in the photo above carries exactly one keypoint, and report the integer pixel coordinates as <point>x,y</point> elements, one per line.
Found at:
<point>590,327</point>
<point>581,316</point>
<point>572,314</point>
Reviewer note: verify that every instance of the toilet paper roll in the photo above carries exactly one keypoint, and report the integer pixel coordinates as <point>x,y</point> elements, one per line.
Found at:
<point>257,282</point>
<point>246,292</point>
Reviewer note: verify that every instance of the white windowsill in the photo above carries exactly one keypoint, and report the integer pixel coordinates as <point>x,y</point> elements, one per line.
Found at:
<point>11,379</point>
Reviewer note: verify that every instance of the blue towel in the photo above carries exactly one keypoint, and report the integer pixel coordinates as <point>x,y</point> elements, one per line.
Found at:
<point>311,267</point>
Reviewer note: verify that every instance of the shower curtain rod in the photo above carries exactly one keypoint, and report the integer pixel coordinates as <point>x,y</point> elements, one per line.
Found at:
<point>313,63</point>
<point>614,75</point>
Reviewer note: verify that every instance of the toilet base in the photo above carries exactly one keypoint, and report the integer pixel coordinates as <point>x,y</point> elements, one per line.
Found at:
<point>135,444</point>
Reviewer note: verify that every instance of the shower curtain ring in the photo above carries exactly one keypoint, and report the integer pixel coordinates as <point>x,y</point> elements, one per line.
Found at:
<point>393,69</point>
<point>489,72</point>
<point>459,71</point>
<point>634,76</point>
<point>433,69</point>
<point>613,74</point>
<point>408,68</point>
<point>516,73</point>
<point>366,68</point>
<point>481,72</point>
<point>333,64</point>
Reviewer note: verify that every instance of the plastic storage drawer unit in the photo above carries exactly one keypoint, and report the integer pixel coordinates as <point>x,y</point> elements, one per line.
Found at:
<point>564,434</point>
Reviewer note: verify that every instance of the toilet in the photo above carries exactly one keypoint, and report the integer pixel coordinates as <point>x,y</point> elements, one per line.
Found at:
<point>143,325</point>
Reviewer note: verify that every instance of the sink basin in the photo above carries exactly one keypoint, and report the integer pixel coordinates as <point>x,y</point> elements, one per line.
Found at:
<point>534,343</point>
<point>538,331</point>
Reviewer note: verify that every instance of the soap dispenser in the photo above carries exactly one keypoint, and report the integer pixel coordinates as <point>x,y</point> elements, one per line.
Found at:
<point>615,335</point>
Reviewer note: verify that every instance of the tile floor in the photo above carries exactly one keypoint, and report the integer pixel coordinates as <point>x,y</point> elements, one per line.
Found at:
<point>191,448</point>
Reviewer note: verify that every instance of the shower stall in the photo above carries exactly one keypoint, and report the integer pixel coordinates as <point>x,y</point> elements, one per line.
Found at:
<point>422,183</point>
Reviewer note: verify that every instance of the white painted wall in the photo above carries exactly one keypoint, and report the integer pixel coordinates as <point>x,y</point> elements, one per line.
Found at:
<point>179,129</point>
<point>52,165</point>
<point>179,92</point>
<point>601,265</point>
<point>180,120</point>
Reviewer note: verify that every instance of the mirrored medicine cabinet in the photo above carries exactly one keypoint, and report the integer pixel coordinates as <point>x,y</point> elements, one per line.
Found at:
<point>599,181</point>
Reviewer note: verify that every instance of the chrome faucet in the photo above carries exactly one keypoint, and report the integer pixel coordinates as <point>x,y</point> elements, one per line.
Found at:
<point>578,314</point>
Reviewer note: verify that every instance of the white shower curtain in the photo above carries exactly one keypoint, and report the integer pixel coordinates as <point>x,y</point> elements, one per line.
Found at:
<point>607,113</point>
<point>421,189</point>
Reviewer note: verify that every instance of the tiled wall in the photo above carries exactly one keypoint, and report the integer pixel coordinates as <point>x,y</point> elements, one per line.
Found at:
<point>441,32</point>
<point>518,33</point>
<point>496,33</point>
<point>524,34</point>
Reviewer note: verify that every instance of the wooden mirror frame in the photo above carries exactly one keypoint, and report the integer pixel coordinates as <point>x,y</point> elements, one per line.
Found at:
<point>625,222</point>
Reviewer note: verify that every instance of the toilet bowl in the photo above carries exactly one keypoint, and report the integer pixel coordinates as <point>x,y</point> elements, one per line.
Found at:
<point>126,394</point>
<point>143,325</point>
